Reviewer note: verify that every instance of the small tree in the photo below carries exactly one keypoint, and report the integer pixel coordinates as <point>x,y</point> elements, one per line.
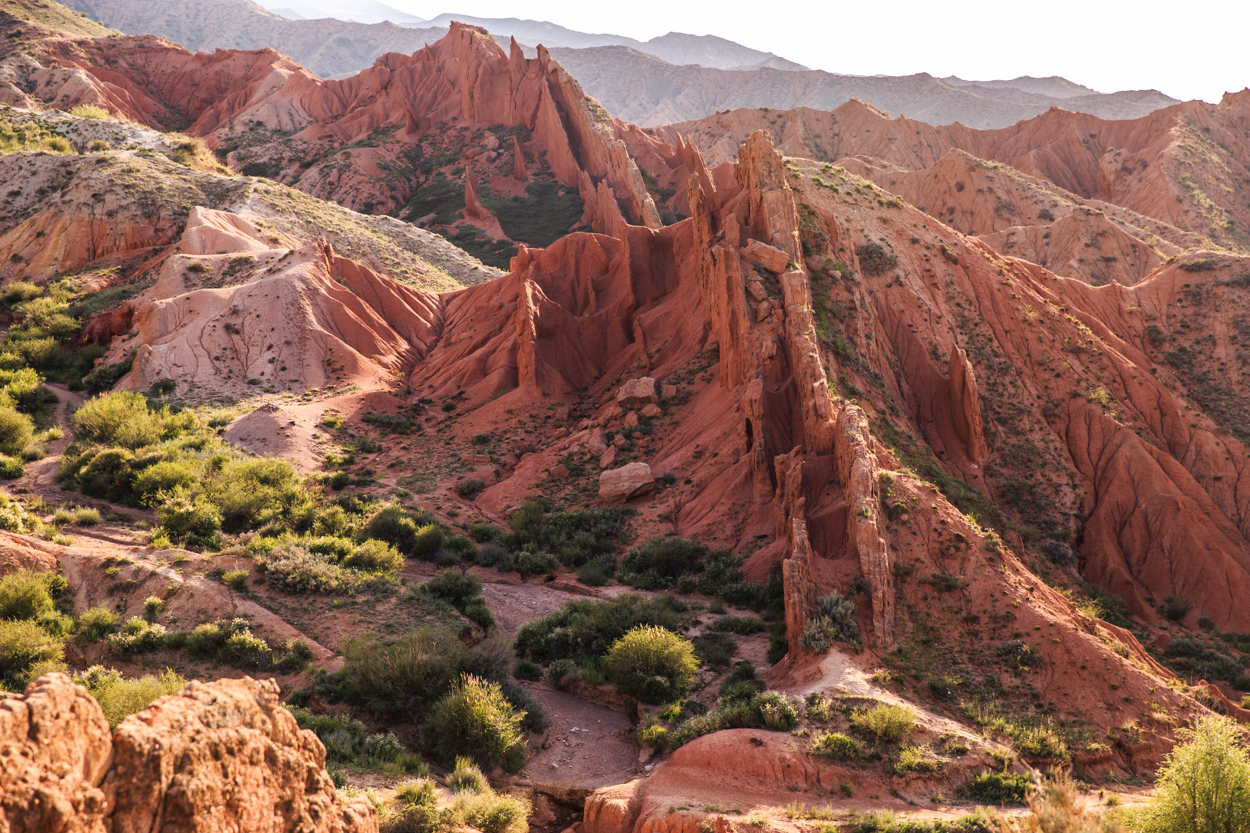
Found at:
<point>1205,783</point>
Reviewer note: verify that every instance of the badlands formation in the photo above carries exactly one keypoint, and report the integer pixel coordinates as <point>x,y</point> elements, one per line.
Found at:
<point>931,440</point>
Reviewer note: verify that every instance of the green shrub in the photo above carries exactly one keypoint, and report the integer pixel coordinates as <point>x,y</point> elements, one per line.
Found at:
<point>11,468</point>
<point>490,812</point>
<point>189,518</point>
<point>776,711</point>
<point>25,594</point>
<point>833,620</point>
<point>97,623</point>
<point>347,741</point>
<point>104,473</point>
<point>888,724</point>
<point>526,670</point>
<point>475,719</point>
<point>138,636</point>
<point>463,592</point>
<point>374,556</point>
<point>23,645</point>
<point>654,736</point>
<point>834,746</point>
<point>455,587</point>
<point>917,759</point>
<point>585,629</point>
<point>17,431</point>
<point>237,579</point>
<point>90,111</point>
<point>559,670</point>
<point>399,679</point>
<point>166,476</point>
<point>1205,782</point>
<point>660,562</point>
<point>251,493</point>
<point>123,418</point>
<point>152,607</point>
<point>120,696</point>
<point>416,811</point>
<point>536,563</point>
<point>467,777</point>
<point>653,664</point>
<point>574,536</point>
<point>427,541</point>
<point>394,526</point>
<point>293,569</point>
<point>1000,787</point>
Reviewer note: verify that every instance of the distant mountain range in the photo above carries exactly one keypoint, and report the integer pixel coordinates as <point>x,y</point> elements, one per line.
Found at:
<point>672,78</point>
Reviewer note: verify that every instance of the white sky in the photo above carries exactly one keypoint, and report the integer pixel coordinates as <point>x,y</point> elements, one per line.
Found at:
<point>1191,49</point>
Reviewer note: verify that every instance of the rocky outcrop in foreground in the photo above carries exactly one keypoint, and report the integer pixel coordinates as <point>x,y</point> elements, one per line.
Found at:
<point>220,756</point>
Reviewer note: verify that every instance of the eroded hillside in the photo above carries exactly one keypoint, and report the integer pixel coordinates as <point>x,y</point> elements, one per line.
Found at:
<point>915,512</point>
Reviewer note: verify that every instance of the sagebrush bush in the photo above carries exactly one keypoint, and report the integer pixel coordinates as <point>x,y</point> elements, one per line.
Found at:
<point>375,556</point>
<point>1205,782</point>
<point>416,809</point>
<point>835,746</point>
<point>11,468</point>
<point>23,645</point>
<point>120,696</point>
<point>394,526</point>
<point>1000,787</point>
<point>776,711</point>
<point>138,636</point>
<point>467,777</point>
<point>476,720</point>
<point>491,812</point>
<point>1057,806</point>
<point>652,663</point>
<point>96,623</point>
<point>17,431</point>
<point>833,620</point>
<point>25,594</point>
<point>885,723</point>
<point>293,569</point>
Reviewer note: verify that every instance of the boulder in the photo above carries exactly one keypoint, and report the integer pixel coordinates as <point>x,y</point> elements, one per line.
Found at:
<point>651,411</point>
<point>54,751</point>
<point>638,393</point>
<point>219,756</point>
<point>770,257</point>
<point>627,482</point>
<point>597,444</point>
<point>225,756</point>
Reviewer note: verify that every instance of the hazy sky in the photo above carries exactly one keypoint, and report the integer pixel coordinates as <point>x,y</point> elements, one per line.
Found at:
<point>1192,49</point>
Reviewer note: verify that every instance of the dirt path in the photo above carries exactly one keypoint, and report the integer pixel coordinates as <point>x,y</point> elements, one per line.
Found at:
<point>585,748</point>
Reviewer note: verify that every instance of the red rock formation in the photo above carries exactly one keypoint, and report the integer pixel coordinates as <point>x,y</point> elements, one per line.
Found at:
<point>54,752</point>
<point>1139,164</point>
<point>223,755</point>
<point>466,79</point>
<point>519,171</point>
<point>474,211</point>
